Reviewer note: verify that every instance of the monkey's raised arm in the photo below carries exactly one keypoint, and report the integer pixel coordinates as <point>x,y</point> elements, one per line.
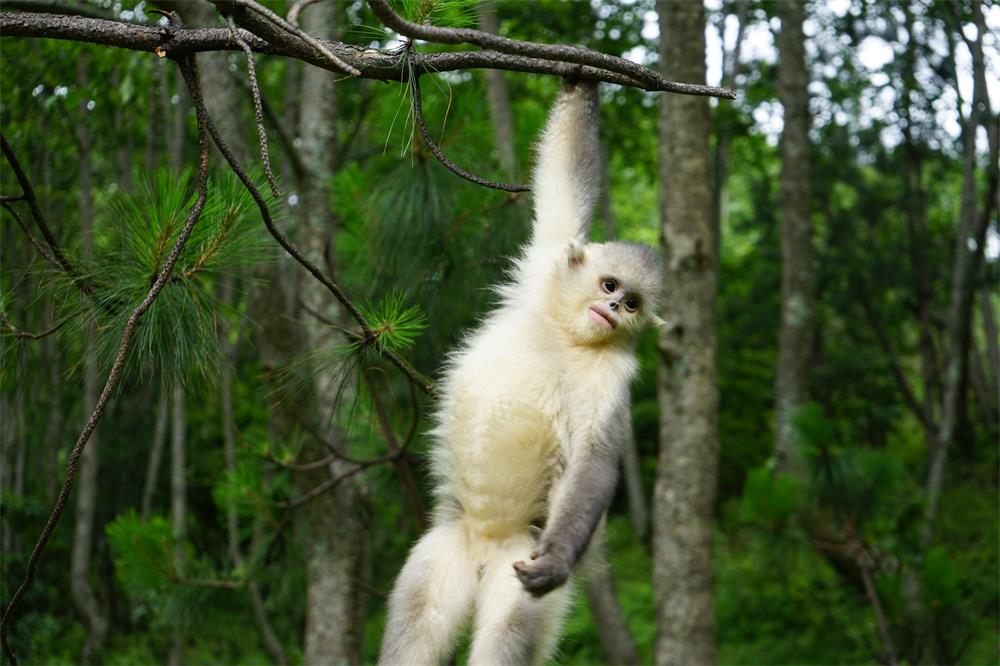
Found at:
<point>580,498</point>
<point>566,182</point>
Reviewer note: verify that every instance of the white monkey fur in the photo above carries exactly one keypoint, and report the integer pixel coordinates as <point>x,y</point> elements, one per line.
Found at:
<point>533,408</point>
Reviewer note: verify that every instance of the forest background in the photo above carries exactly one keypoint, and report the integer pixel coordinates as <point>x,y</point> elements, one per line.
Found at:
<point>260,472</point>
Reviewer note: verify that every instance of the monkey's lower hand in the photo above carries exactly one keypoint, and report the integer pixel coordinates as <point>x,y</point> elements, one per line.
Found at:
<point>548,569</point>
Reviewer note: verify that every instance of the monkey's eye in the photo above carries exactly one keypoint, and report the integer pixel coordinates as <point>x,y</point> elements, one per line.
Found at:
<point>609,285</point>
<point>631,303</point>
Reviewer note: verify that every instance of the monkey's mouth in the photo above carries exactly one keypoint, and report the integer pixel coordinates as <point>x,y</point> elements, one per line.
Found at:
<point>601,318</point>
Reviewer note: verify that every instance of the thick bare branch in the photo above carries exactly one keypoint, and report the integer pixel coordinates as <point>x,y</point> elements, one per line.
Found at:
<point>559,53</point>
<point>372,63</point>
<point>285,26</point>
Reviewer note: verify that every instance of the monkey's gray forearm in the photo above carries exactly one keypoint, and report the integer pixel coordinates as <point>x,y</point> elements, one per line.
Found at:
<point>581,497</point>
<point>590,487</point>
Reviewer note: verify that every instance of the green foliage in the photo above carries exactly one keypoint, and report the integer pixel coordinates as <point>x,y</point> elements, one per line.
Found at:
<point>143,553</point>
<point>395,324</point>
<point>178,334</point>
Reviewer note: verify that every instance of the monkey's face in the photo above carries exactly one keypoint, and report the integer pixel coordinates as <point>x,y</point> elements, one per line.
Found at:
<point>608,291</point>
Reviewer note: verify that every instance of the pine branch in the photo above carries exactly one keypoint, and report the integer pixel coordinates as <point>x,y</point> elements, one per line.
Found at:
<point>369,337</point>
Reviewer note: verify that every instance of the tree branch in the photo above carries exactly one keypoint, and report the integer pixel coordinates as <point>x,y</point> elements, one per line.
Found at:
<point>37,244</point>
<point>285,26</point>
<point>418,115</point>
<point>560,53</point>
<point>28,193</point>
<point>372,63</point>
<point>189,68</point>
<point>22,335</point>
<point>258,107</point>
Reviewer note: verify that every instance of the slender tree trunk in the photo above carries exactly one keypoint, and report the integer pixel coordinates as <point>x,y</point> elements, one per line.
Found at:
<point>54,427</point>
<point>730,68</point>
<point>178,500</point>
<point>918,239</point>
<point>798,298</point>
<point>155,456</point>
<point>612,628</point>
<point>496,91</point>
<point>638,509</point>
<point>86,491</point>
<point>971,224</point>
<point>687,473</point>
<point>6,448</point>
<point>992,345</point>
<point>271,641</point>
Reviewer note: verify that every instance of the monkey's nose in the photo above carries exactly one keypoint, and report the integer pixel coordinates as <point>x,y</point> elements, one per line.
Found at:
<point>613,305</point>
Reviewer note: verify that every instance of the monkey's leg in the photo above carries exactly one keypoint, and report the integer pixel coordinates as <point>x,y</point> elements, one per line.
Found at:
<point>431,599</point>
<point>512,626</point>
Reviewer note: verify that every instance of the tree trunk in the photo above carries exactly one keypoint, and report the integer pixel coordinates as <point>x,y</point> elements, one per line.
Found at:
<point>496,91</point>
<point>992,345</point>
<point>222,98</point>
<point>178,500</point>
<point>336,566</point>
<point>798,277</point>
<point>687,473</point>
<point>86,491</point>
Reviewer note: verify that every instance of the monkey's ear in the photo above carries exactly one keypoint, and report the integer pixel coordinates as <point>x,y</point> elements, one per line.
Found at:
<point>575,255</point>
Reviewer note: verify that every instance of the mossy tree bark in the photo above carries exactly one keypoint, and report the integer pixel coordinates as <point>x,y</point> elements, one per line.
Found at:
<point>687,473</point>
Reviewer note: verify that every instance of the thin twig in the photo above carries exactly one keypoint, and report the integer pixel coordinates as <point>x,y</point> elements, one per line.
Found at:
<point>303,467</point>
<point>293,13</point>
<point>301,34</point>
<point>207,582</point>
<point>18,333</point>
<point>189,69</point>
<point>28,193</point>
<point>321,488</point>
<point>403,469</point>
<point>425,134</point>
<point>294,159</point>
<point>552,52</point>
<point>37,244</point>
<point>258,108</point>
